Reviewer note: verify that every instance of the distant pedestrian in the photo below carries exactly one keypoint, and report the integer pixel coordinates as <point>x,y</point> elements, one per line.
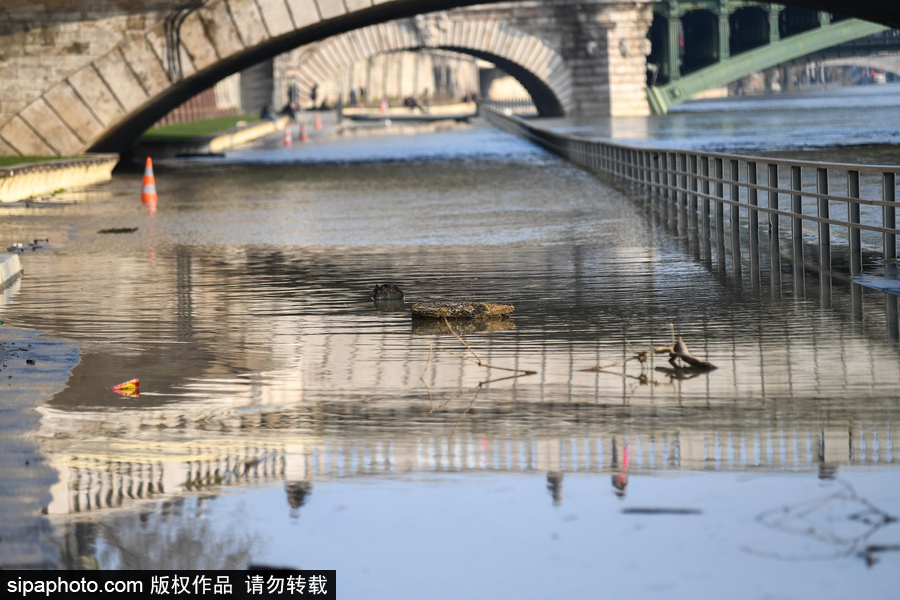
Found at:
<point>267,112</point>
<point>314,95</point>
<point>289,110</point>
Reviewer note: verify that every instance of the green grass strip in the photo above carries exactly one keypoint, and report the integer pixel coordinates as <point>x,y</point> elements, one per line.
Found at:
<point>192,129</point>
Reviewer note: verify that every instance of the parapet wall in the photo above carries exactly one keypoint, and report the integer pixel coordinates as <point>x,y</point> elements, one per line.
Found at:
<point>21,182</point>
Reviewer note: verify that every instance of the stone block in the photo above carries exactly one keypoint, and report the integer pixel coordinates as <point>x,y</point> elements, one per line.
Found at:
<point>196,43</point>
<point>114,70</point>
<point>221,29</point>
<point>304,12</point>
<point>249,22</point>
<point>354,5</point>
<point>475,34</point>
<point>51,128</point>
<point>97,95</point>
<point>494,35</point>
<point>23,140</point>
<point>6,149</point>
<point>276,16</point>
<point>156,38</point>
<point>330,9</point>
<point>74,112</point>
<point>356,43</point>
<point>145,65</point>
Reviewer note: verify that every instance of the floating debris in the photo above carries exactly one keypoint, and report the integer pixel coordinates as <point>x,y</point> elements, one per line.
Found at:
<point>387,291</point>
<point>679,357</point>
<point>130,388</point>
<point>387,297</point>
<point>20,247</point>
<point>661,511</point>
<point>119,230</point>
<point>461,310</point>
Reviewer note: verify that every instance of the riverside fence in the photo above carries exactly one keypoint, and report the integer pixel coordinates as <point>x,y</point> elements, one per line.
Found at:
<point>840,219</point>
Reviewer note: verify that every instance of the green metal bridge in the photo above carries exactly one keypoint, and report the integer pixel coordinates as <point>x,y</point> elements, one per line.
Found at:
<point>699,45</point>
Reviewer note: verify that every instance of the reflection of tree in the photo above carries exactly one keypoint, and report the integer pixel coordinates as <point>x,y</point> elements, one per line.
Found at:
<point>843,520</point>
<point>169,536</point>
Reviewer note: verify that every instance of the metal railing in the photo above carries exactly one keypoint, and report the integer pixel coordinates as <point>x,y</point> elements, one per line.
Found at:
<point>836,218</point>
<point>509,105</point>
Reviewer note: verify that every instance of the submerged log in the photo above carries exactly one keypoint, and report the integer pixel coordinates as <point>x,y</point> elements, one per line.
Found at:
<point>461,310</point>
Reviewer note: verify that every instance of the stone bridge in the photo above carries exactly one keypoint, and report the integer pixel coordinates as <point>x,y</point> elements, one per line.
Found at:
<point>532,61</point>
<point>94,75</point>
<point>889,63</point>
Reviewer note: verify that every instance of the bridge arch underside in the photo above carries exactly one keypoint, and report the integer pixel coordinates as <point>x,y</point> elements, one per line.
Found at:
<point>526,57</point>
<point>539,69</point>
<point>106,104</point>
<point>546,96</point>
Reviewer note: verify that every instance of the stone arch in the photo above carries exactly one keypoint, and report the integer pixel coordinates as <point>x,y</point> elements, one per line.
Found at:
<point>106,104</point>
<point>539,68</point>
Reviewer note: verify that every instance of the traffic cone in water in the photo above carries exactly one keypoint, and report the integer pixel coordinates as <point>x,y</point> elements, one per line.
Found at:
<point>287,136</point>
<point>303,136</point>
<point>148,192</point>
<point>318,121</point>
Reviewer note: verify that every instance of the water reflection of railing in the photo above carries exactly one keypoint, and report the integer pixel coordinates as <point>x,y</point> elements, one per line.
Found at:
<point>509,106</point>
<point>134,473</point>
<point>95,482</point>
<point>794,200</point>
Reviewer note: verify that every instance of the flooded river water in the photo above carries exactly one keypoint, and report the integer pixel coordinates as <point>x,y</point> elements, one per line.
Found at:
<point>283,419</point>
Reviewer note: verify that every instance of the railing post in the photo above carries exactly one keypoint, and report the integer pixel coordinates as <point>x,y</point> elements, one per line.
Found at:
<point>683,185</point>
<point>672,169</point>
<point>854,218</point>
<point>704,189</point>
<point>735,196</point>
<point>720,206</point>
<point>642,172</point>
<point>656,176</point>
<point>797,221</point>
<point>664,173</point>
<point>774,235</point>
<point>629,153</point>
<point>753,201</point>
<point>889,194</point>
<point>824,228</point>
<point>694,199</point>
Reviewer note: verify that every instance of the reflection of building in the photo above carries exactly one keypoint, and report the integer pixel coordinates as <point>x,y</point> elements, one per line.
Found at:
<point>202,454</point>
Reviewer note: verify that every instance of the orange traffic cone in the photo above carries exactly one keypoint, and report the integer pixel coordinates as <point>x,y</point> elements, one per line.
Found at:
<point>148,192</point>
<point>303,136</point>
<point>318,121</point>
<point>287,136</point>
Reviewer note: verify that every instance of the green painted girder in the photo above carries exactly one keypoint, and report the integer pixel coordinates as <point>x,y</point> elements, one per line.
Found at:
<point>662,98</point>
